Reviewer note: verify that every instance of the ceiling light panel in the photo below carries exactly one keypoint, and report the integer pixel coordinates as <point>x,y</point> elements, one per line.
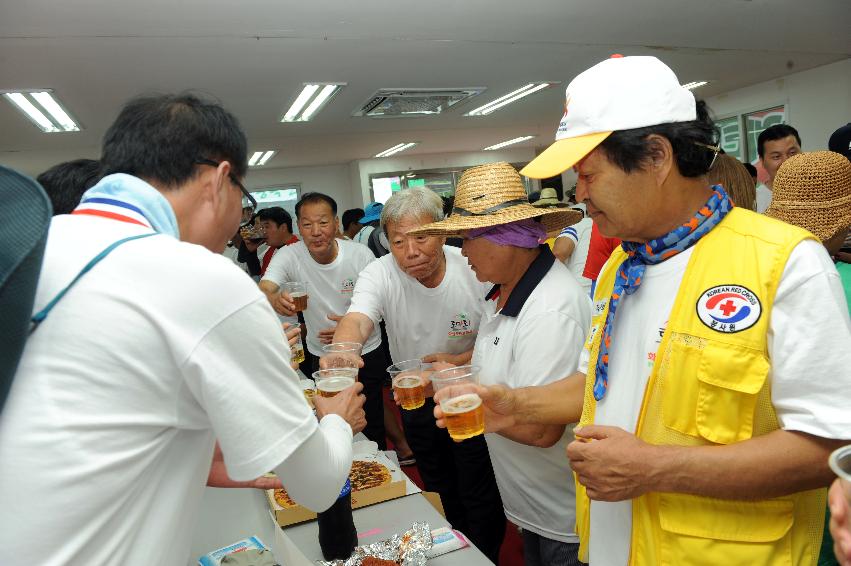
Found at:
<point>259,158</point>
<point>399,147</point>
<point>43,109</point>
<point>312,98</point>
<point>511,97</point>
<point>695,84</point>
<point>506,143</point>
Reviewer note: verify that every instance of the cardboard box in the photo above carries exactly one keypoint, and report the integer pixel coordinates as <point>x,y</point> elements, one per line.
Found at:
<point>364,450</point>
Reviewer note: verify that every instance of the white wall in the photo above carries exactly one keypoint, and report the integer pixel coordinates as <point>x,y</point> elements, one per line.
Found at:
<point>818,101</point>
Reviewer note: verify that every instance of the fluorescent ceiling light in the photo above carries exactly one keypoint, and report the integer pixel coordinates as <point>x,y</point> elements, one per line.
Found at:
<point>311,99</point>
<point>513,141</point>
<point>259,158</point>
<point>396,149</point>
<point>43,110</point>
<point>694,84</point>
<point>507,99</point>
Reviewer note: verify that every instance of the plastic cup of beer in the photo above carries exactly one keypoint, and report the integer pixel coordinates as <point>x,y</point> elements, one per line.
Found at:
<point>331,381</point>
<point>840,463</point>
<point>342,354</point>
<point>408,383</point>
<point>297,350</point>
<point>308,387</point>
<point>462,407</point>
<point>298,293</point>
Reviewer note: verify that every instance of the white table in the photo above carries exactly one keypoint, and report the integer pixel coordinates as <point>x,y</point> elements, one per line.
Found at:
<point>229,515</point>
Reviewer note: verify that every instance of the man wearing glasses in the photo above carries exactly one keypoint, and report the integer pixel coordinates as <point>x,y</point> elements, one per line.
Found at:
<point>155,354</point>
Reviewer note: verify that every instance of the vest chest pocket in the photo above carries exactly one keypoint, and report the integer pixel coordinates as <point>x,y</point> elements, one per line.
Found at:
<point>711,392</point>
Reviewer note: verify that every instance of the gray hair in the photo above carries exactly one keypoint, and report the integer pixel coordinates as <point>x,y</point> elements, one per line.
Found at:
<point>416,202</point>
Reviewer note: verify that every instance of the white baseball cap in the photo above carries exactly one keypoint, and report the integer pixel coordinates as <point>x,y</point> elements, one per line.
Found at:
<point>621,93</point>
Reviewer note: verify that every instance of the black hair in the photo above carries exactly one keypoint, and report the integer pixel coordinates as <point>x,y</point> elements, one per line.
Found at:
<point>534,196</point>
<point>161,138</point>
<point>631,150</point>
<point>775,132</point>
<point>351,216</point>
<point>448,204</point>
<point>751,169</point>
<point>277,215</point>
<point>310,198</point>
<point>65,183</point>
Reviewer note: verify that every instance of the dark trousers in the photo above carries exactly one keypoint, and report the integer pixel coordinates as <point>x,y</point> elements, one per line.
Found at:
<point>372,376</point>
<point>461,473</point>
<point>541,551</point>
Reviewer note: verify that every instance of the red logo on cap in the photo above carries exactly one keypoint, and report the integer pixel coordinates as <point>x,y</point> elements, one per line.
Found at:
<point>616,56</point>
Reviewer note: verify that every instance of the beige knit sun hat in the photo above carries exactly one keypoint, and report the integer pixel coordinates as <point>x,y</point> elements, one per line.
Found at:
<point>490,195</point>
<point>812,190</point>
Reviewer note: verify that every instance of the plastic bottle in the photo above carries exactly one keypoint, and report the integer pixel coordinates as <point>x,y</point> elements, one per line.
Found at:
<point>337,534</point>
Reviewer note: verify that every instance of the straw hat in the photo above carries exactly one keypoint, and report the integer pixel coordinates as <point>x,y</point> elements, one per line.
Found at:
<point>813,190</point>
<point>549,197</point>
<point>493,194</point>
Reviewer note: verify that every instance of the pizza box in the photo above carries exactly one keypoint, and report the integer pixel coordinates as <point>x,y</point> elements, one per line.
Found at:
<point>363,450</point>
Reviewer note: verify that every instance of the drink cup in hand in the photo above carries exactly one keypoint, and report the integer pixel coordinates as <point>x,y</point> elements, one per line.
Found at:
<point>298,294</point>
<point>462,407</point>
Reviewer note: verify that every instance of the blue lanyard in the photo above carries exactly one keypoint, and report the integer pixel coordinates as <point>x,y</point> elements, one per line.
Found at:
<point>39,317</point>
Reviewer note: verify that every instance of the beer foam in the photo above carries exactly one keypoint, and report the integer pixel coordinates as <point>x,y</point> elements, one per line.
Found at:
<point>408,382</point>
<point>335,384</point>
<point>462,403</point>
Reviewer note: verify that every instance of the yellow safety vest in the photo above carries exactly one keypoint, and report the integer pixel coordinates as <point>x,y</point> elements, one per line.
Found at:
<point>709,386</point>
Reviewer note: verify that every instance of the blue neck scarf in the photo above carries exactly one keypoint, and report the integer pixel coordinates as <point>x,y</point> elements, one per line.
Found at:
<point>631,271</point>
<point>127,191</point>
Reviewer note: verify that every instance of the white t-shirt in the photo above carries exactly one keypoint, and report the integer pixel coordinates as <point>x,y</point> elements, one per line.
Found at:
<point>809,335</point>
<point>107,435</point>
<point>763,198</point>
<point>540,345</point>
<point>580,233</point>
<point>329,286</point>
<point>362,237</point>
<point>422,321</point>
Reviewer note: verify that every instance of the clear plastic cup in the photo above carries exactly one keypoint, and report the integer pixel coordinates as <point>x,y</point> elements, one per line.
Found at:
<point>329,382</point>
<point>408,383</point>
<point>298,293</point>
<point>462,407</point>
<point>342,354</point>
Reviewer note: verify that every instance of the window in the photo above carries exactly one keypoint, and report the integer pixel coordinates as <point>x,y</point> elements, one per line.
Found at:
<point>743,147</point>
<point>731,136</point>
<point>285,197</point>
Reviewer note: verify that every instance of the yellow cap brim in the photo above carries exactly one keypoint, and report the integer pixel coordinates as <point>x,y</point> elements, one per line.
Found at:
<point>562,155</point>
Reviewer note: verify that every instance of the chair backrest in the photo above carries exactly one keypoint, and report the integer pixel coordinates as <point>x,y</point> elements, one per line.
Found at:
<point>25,214</point>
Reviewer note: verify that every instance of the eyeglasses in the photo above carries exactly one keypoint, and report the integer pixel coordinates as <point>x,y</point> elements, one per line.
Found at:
<point>252,202</point>
<point>716,149</point>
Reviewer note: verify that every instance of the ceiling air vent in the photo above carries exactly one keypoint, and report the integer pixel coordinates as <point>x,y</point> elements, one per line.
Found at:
<point>414,102</point>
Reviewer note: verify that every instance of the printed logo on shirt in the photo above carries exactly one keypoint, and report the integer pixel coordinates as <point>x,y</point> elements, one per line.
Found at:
<point>729,308</point>
<point>348,285</point>
<point>600,307</point>
<point>460,326</point>
<point>655,340</point>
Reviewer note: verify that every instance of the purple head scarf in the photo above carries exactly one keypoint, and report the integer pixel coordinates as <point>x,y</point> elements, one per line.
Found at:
<point>521,234</point>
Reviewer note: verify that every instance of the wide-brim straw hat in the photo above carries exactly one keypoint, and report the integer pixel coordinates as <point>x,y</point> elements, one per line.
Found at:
<point>813,190</point>
<point>549,197</point>
<point>490,195</point>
